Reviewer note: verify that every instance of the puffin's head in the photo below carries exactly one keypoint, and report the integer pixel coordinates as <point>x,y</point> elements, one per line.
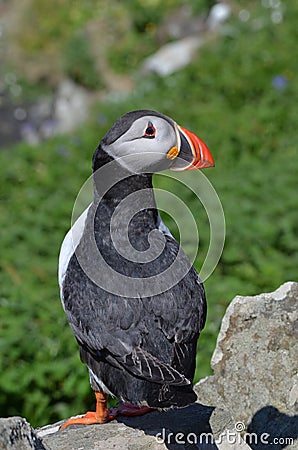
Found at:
<point>148,141</point>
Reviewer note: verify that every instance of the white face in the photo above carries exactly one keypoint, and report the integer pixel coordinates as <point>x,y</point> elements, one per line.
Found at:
<point>145,145</point>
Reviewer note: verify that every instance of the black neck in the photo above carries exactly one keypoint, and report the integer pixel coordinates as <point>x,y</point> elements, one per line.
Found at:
<point>113,183</point>
<point>122,217</point>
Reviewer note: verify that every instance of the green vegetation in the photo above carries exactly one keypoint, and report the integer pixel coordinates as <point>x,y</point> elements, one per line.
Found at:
<point>79,63</point>
<point>53,35</point>
<point>239,95</point>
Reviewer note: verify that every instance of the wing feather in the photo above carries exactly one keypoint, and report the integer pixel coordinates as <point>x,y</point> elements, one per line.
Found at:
<point>144,365</point>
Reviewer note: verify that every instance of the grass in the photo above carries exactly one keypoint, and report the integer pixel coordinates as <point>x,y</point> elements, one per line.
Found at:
<point>230,96</point>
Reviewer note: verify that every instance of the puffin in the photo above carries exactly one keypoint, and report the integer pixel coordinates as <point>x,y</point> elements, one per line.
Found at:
<point>133,299</point>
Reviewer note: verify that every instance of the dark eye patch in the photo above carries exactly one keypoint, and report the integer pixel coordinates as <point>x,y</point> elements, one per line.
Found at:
<point>150,131</point>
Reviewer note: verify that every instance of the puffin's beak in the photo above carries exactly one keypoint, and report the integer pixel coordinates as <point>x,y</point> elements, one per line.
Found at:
<point>192,152</point>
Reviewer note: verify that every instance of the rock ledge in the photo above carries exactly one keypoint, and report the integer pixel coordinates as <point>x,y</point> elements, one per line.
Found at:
<point>251,401</point>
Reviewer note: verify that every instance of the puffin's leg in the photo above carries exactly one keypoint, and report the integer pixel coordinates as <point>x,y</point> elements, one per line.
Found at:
<point>101,415</point>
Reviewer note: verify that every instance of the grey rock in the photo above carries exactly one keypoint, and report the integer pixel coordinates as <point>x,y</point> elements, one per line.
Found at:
<point>194,427</point>
<point>220,421</point>
<point>180,24</point>
<point>71,106</point>
<point>173,429</point>
<point>224,429</point>
<point>218,14</point>
<point>17,434</point>
<point>173,56</point>
<point>255,363</point>
<point>190,33</point>
<point>59,113</point>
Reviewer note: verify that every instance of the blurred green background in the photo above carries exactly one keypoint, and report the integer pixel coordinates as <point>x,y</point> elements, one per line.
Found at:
<point>239,94</point>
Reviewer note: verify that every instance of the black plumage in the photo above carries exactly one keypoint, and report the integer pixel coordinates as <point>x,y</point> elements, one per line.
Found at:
<point>141,349</point>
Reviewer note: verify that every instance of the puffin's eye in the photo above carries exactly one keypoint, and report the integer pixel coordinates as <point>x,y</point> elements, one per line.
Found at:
<point>150,131</point>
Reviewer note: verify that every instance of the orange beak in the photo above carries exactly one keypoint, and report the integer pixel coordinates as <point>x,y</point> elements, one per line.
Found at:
<point>191,152</point>
<point>202,157</point>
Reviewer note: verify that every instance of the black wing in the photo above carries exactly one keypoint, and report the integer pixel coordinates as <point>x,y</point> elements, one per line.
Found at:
<point>153,338</point>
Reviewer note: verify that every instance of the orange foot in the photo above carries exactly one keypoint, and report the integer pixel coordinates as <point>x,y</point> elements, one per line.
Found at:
<point>103,414</point>
<point>88,419</point>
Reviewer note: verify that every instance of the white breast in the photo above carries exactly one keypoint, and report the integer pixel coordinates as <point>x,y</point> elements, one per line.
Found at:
<point>69,245</point>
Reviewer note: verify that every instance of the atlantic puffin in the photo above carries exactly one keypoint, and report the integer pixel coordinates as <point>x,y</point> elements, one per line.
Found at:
<point>133,300</point>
